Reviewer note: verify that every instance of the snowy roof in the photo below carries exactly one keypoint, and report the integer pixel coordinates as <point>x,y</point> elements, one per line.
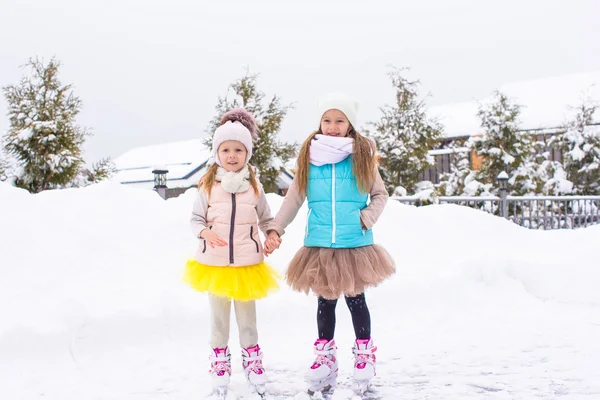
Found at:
<point>291,164</point>
<point>285,178</point>
<point>547,103</point>
<point>181,159</point>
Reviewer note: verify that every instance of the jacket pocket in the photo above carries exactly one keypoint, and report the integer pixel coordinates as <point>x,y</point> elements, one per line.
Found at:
<point>252,237</point>
<point>204,249</point>
<point>307,222</point>
<point>360,224</point>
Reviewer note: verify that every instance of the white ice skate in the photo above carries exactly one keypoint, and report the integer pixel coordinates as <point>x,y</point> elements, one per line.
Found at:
<point>322,375</point>
<point>364,364</point>
<point>220,371</point>
<point>254,370</point>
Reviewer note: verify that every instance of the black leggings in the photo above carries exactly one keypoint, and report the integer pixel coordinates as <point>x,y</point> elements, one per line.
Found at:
<point>361,318</point>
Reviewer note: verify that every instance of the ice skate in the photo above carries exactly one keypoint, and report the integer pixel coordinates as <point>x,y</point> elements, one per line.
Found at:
<point>254,370</point>
<point>322,375</point>
<point>364,364</point>
<point>220,371</point>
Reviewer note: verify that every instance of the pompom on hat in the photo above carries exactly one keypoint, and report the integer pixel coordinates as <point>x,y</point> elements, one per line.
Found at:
<point>339,101</point>
<point>236,124</point>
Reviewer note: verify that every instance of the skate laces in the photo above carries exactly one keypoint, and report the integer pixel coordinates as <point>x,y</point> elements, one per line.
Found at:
<point>253,360</point>
<point>220,362</point>
<point>361,360</point>
<point>255,366</point>
<point>364,356</point>
<point>323,359</point>
<point>220,368</point>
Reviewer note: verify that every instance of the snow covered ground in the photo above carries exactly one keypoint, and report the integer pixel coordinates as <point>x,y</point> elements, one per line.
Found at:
<point>92,305</point>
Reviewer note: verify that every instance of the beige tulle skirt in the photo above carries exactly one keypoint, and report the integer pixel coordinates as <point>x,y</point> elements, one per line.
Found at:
<point>332,272</point>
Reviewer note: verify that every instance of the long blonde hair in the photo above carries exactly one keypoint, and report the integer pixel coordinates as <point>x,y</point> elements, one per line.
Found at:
<point>364,161</point>
<point>208,179</point>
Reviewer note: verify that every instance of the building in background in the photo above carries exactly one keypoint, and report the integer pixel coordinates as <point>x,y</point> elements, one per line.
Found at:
<point>547,105</point>
<point>185,161</point>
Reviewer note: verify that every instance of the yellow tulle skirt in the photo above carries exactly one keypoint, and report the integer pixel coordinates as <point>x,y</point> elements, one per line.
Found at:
<point>251,282</point>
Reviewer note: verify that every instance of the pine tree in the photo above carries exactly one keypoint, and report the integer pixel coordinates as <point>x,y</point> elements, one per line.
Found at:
<point>269,153</point>
<point>453,183</point>
<point>462,180</point>
<point>3,169</point>
<point>100,171</point>
<point>503,147</point>
<point>580,146</point>
<point>43,136</point>
<point>404,136</point>
<point>554,179</point>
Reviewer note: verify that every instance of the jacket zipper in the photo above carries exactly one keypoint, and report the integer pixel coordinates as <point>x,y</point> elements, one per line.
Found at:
<point>231,228</point>
<point>255,242</point>
<point>333,203</point>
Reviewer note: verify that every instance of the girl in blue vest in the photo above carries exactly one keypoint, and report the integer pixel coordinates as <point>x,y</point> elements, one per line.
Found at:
<point>337,173</point>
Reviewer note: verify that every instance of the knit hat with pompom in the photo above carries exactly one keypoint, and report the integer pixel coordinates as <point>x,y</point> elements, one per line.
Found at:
<point>236,124</point>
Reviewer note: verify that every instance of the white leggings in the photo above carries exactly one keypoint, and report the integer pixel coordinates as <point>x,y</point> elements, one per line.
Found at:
<point>245,315</point>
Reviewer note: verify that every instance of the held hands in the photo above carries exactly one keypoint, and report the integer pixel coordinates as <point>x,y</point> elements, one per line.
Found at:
<point>212,238</point>
<point>272,242</point>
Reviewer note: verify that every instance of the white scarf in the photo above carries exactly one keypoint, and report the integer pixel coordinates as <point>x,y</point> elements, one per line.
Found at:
<point>330,150</point>
<point>234,182</point>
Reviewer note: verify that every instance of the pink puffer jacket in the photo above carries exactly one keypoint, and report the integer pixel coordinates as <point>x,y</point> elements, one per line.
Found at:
<point>236,218</point>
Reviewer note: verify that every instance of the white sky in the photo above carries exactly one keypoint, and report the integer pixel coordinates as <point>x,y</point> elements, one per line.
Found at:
<point>150,71</point>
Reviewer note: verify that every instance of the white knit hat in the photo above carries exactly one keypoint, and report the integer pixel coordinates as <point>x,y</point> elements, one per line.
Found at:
<point>339,101</point>
<point>231,131</point>
<point>237,124</point>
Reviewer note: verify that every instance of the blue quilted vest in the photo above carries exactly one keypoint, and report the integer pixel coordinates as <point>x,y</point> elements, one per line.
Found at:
<point>334,204</point>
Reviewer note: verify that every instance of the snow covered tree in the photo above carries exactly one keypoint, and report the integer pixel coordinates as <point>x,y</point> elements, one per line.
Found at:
<point>580,146</point>
<point>554,179</point>
<point>453,183</point>
<point>269,153</point>
<point>43,136</point>
<point>526,179</point>
<point>100,171</point>
<point>503,147</point>
<point>404,135</point>
<point>3,169</point>
<point>462,180</point>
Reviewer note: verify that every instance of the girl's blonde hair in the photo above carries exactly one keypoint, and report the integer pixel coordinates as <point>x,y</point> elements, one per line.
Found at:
<point>364,161</point>
<point>208,179</point>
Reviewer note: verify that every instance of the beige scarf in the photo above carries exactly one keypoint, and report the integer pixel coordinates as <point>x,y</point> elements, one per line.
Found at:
<point>234,182</point>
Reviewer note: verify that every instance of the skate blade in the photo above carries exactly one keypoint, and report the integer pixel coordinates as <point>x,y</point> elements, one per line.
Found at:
<point>221,393</point>
<point>325,387</point>
<point>329,382</point>
<point>261,390</point>
<point>326,393</point>
<point>361,387</point>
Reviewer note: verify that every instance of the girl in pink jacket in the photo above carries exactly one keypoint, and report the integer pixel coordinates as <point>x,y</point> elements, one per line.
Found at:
<point>230,208</point>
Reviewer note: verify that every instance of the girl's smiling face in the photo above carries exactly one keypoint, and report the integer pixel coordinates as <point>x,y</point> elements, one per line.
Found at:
<point>334,123</point>
<point>232,155</point>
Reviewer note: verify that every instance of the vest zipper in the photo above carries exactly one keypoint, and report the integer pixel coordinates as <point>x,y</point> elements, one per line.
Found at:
<point>333,203</point>
<point>307,222</point>
<point>231,228</point>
